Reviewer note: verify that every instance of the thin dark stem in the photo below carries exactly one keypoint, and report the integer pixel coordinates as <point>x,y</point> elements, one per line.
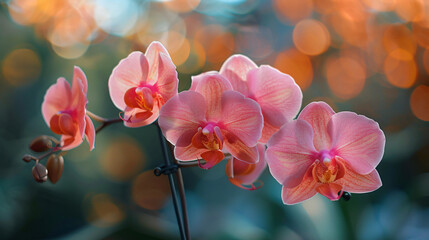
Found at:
<point>107,123</point>
<point>181,188</point>
<point>172,184</point>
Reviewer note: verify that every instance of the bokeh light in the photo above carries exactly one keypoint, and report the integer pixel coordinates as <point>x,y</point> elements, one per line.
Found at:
<point>311,37</point>
<point>293,11</point>
<point>419,102</point>
<point>150,191</point>
<point>122,159</point>
<point>400,69</point>
<point>21,67</point>
<point>296,64</point>
<point>103,211</point>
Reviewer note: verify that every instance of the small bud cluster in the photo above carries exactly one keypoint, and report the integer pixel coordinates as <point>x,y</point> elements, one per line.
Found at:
<point>55,163</point>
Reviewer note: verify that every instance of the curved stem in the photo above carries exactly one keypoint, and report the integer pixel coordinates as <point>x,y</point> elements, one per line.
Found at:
<point>96,117</point>
<point>107,123</point>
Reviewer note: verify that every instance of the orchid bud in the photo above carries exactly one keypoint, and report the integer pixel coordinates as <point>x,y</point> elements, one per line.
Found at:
<point>41,144</point>
<point>40,173</point>
<point>55,166</point>
<point>28,158</point>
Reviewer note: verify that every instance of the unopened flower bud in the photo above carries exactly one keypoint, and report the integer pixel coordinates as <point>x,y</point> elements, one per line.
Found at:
<point>40,173</point>
<point>55,166</point>
<point>28,158</point>
<point>41,144</point>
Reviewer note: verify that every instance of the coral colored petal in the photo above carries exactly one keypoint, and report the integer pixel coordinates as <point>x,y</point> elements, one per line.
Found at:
<point>277,93</point>
<point>318,115</point>
<point>57,98</point>
<point>212,158</point>
<point>153,53</point>
<point>70,142</point>
<point>290,153</point>
<point>235,69</point>
<point>167,81</point>
<point>80,83</point>
<point>90,132</point>
<point>181,114</point>
<point>358,183</point>
<point>136,117</point>
<point>242,117</point>
<point>305,190</point>
<point>330,190</point>
<point>66,124</point>
<point>239,149</point>
<point>188,153</point>
<point>358,140</point>
<point>255,170</point>
<point>130,72</point>
<point>267,131</point>
<point>211,85</point>
<point>54,124</point>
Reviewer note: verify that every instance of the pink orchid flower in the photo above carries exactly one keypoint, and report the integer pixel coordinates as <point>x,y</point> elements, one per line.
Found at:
<point>326,152</point>
<point>277,93</point>
<point>64,110</point>
<point>212,119</point>
<point>141,83</point>
<point>241,173</point>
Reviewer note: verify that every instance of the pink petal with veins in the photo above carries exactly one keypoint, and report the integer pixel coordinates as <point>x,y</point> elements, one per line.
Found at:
<point>235,69</point>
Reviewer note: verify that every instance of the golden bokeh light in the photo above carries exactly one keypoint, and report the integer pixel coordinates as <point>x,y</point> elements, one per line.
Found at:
<point>291,10</point>
<point>421,33</point>
<point>196,59</point>
<point>311,37</point>
<point>400,69</point>
<point>426,60</point>
<point>181,6</point>
<point>122,159</point>
<point>180,55</point>
<point>346,76</point>
<point>103,212</point>
<point>411,10</point>
<point>296,64</point>
<point>21,67</point>
<point>419,102</point>
<point>380,5</point>
<point>399,37</point>
<point>150,191</point>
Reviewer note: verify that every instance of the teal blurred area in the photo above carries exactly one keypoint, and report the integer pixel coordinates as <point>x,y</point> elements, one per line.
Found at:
<point>370,57</point>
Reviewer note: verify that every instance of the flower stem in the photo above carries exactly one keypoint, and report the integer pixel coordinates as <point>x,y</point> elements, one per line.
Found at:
<point>172,185</point>
<point>104,121</point>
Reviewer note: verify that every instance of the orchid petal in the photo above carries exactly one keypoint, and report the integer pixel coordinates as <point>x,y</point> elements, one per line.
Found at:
<point>357,139</point>
<point>303,191</point>
<point>318,115</point>
<point>277,93</point>
<point>212,86</point>
<point>57,98</point>
<point>235,69</point>
<point>239,149</point>
<point>290,153</point>
<point>69,142</point>
<point>181,114</point>
<point>153,53</point>
<point>130,72</point>
<point>80,83</point>
<point>242,117</point>
<point>212,158</point>
<point>358,183</point>
<point>136,117</point>
<point>90,132</point>
<point>246,173</point>
<point>330,190</point>
<point>167,81</point>
<point>267,131</point>
<point>188,153</point>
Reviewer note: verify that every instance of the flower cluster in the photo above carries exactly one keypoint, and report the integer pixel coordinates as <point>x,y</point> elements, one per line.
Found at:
<point>243,113</point>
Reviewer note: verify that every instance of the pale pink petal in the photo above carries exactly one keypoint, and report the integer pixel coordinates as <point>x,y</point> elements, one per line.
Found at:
<point>242,117</point>
<point>291,152</point>
<point>79,77</point>
<point>212,85</point>
<point>305,190</point>
<point>57,98</point>
<point>239,149</point>
<point>130,72</point>
<point>253,175</point>
<point>181,114</point>
<point>90,132</point>
<point>358,140</point>
<point>153,53</point>
<point>167,81</point>
<point>330,190</point>
<point>357,183</point>
<point>277,93</point>
<point>318,114</point>
<point>235,69</point>
<point>188,153</point>
<point>267,131</point>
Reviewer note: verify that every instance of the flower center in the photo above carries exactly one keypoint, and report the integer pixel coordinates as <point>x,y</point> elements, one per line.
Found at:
<point>140,97</point>
<point>328,169</point>
<point>63,124</point>
<point>208,137</point>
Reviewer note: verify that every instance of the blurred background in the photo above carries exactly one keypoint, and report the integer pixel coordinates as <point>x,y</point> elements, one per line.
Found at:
<point>367,56</point>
